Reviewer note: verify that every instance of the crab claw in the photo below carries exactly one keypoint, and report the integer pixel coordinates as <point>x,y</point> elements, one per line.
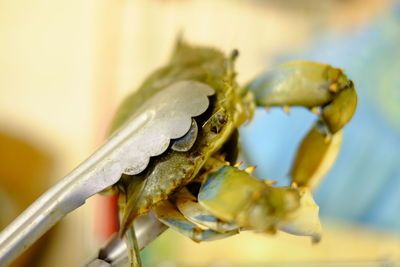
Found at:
<point>328,93</point>
<point>305,220</point>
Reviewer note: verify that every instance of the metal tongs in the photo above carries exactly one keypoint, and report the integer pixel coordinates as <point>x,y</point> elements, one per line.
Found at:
<point>165,116</point>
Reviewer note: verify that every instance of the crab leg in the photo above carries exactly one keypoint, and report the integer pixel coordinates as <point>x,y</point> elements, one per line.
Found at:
<point>132,189</point>
<point>193,211</point>
<point>315,156</point>
<point>169,215</point>
<point>328,93</point>
<point>309,84</point>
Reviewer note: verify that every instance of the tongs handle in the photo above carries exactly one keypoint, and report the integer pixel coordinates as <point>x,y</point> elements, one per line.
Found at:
<point>92,176</point>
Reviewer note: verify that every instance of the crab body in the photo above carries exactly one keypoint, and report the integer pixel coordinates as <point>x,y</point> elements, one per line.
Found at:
<point>183,161</point>
<point>196,188</point>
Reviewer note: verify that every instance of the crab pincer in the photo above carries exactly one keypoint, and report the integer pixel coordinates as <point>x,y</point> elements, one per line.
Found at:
<point>328,93</point>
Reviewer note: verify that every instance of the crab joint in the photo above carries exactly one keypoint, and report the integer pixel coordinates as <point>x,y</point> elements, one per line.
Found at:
<point>339,112</point>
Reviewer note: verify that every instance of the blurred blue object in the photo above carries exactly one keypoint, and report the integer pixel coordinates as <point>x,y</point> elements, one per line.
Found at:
<point>364,184</point>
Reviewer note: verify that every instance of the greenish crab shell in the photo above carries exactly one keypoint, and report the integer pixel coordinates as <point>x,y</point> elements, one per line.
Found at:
<point>229,108</point>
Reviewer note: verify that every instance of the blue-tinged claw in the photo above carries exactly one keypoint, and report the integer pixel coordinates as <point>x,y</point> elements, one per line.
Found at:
<point>226,192</point>
<point>170,216</point>
<point>235,195</point>
<point>193,211</point>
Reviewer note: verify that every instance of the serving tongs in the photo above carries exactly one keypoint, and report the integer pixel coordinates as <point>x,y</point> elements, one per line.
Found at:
<point>166,115</point>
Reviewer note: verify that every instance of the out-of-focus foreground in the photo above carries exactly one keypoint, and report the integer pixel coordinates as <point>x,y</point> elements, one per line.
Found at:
<point>66,65</point>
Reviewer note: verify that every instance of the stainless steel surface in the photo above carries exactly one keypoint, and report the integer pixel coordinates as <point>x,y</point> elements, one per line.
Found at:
<point>99,263</point>
<point>115,252</point>
<point>165,116</point>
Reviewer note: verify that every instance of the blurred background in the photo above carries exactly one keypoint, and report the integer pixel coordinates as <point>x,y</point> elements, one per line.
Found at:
<point>66,65</point>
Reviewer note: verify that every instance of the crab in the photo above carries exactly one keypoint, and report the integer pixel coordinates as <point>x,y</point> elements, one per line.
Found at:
<point>197,187</point>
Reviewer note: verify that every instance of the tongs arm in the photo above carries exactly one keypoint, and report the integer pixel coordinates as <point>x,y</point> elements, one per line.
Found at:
<point>98,172</point>
<point>115,253</point>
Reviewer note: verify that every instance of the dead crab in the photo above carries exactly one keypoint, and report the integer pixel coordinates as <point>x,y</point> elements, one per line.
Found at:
<point>197,188</point>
